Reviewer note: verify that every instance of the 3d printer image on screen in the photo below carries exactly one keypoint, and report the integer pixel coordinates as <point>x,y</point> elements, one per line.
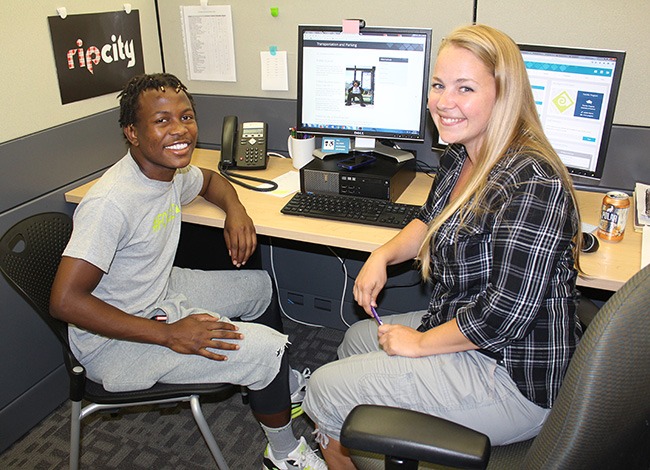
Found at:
<point>359,86</point>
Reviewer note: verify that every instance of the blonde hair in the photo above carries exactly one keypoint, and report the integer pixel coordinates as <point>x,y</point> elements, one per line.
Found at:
<point>513,126</point>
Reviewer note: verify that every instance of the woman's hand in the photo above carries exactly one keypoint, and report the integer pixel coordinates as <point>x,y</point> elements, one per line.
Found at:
<point>370,281</point>
<point>400,340</point>
<point>372,277</point>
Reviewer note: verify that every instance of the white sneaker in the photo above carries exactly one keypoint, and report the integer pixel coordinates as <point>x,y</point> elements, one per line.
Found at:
<point>302,457</point>
<point>299,395</point>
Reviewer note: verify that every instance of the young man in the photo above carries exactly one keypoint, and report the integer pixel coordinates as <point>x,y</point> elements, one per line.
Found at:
<point>134,318</point>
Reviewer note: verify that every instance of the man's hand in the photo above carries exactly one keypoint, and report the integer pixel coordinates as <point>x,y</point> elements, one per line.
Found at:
<point>240,236</point>
<point>196,333</point>
<point>238,230</point>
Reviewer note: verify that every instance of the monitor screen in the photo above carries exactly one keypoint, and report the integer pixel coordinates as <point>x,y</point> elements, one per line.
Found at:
<point>575,92</point>
<point>371,85</point>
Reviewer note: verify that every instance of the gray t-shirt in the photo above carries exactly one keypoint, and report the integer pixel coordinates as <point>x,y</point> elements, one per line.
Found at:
<point>128,226</point>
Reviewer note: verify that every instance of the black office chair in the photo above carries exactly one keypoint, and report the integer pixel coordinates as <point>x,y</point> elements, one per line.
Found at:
<point>601,418</point>
<point>30,252</point>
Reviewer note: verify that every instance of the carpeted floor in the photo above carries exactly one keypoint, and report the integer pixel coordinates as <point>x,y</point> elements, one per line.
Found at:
<point>168,439</point>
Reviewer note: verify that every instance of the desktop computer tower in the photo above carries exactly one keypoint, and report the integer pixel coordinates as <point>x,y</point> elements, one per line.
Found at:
<point>384,179</point>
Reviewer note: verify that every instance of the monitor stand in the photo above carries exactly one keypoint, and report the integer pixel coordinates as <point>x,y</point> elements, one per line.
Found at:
<point>364,144</point>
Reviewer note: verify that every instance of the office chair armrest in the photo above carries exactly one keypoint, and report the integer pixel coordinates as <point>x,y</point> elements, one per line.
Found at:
<point>77,375</point>
<point>586,311</point>
<point>415,436</point>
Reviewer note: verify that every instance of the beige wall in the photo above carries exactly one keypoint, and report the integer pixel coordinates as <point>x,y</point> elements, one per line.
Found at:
<point>255,30</point>
<point>598,24</point>
<point>32,100</point>
<point>577,23</point>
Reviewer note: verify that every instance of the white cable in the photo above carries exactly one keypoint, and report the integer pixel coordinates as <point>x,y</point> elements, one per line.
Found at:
<point>277,289</point>
<point>345,285</point>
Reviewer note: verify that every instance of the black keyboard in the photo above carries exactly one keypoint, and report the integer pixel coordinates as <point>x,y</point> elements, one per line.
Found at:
<point>361,210</point>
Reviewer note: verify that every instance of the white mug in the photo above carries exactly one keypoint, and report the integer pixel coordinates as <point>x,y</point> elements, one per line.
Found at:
<point>301,151</point>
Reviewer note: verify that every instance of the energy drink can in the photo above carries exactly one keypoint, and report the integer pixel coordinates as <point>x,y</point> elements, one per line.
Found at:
<point>613,216</point>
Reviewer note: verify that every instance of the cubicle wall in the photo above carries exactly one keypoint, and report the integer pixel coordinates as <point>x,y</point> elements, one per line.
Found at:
<point>34,101</point>
<point>628,158</point>
<point>598,24</point>
<point>579,23</point>
<point>38,170</point>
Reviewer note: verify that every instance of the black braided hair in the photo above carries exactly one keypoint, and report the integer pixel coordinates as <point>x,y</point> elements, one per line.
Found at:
<point>129,95</point>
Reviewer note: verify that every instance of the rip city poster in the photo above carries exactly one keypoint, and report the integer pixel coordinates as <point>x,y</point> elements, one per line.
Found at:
<point>96,53</point>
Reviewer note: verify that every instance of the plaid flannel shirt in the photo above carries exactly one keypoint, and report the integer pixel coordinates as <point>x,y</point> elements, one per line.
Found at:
<point>507,274</point>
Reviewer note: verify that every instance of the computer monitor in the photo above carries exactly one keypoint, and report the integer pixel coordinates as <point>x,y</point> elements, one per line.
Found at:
<point>575,92</point>
<point>366,86</point>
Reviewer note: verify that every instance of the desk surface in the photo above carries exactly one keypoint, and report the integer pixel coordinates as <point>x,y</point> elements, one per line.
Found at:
<point>609,267</point>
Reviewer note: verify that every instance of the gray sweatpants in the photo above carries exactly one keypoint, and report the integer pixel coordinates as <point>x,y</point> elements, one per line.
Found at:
<point>468,388</point>
<point>245,294</point>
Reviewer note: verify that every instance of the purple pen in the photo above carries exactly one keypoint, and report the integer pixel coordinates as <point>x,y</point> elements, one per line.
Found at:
<point>374,314</point>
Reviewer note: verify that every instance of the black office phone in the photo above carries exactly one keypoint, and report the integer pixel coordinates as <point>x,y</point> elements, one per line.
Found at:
<point>243,147</point>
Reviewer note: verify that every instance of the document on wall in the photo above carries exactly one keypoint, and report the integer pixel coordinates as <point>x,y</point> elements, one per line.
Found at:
<point>209,42</point>
<point>275,75</point>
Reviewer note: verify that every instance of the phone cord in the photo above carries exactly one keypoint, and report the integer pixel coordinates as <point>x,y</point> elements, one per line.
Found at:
<point>272,185</point>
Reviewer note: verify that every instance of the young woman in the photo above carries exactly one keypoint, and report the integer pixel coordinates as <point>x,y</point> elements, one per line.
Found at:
<point>498,239</point>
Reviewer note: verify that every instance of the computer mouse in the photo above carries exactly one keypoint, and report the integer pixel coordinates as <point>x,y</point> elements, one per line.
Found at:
<point>589,243</point>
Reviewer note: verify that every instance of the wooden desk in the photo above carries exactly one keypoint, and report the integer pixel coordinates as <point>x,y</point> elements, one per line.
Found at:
<point>609,267</point>
<point>614,263</point>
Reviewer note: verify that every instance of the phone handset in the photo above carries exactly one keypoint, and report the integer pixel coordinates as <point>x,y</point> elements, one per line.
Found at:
<point>228,141</point>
